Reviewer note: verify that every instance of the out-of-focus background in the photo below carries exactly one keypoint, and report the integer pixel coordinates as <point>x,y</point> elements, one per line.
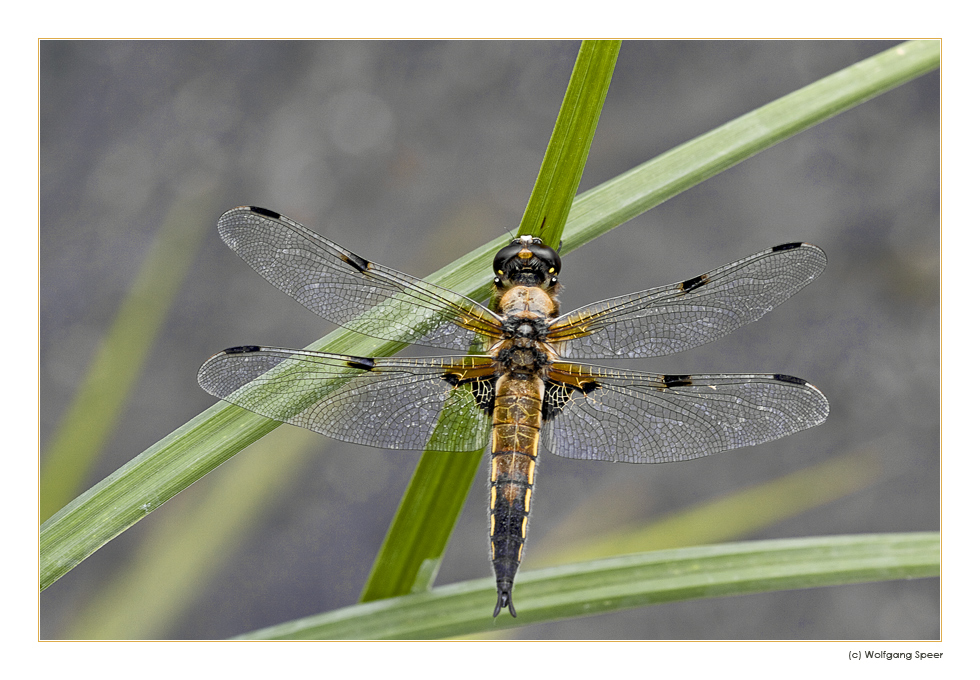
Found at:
<point>411,154</point>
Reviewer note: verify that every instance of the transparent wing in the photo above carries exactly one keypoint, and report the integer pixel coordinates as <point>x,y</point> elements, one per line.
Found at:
<point>414,404</point>
<point>682,315</point>
<point>601,414</point>
<point>341,286</point>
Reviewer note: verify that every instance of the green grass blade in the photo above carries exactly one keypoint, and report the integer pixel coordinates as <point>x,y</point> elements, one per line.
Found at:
<point>417,537</point>
<point>628,582</point>
<point>409,558</point>
<point>172,464</point>
<point>564,159</point>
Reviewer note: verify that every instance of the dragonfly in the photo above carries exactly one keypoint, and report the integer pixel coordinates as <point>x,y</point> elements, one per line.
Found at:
<point>515,382</point>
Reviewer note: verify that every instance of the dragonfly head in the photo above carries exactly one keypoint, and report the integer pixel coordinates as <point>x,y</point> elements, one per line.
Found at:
<point>527,261</point>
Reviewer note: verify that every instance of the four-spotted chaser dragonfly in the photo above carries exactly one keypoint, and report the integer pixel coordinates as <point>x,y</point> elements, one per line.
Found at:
<point>521,389</point>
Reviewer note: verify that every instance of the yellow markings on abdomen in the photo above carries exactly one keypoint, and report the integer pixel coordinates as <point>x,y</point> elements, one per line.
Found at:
<point>517,422</point>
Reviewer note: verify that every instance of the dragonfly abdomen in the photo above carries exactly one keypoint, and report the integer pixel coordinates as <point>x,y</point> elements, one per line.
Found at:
<point>514,451</point>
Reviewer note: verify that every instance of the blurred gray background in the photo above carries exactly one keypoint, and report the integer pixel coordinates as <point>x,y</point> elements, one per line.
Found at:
<point>411,154</point>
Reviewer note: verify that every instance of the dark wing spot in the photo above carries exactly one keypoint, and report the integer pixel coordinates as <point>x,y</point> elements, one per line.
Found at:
<point>357,262</point>
<point>245,349</point>
<point>793,380</point>
<point>696,282</point>
<point>363,363</point>
<point>482,387</point>
<point>264,211</point>
<point>558,394</point>
<point>787,246</point>
<point>677,381</point>
<point>484,394</point>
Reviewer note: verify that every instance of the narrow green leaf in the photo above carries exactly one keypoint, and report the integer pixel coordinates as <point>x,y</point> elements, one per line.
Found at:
<point>564,160</point>
<point>628,582</point>
<point>175,462</point>
<point>417,537</point>
<point>412,550</point>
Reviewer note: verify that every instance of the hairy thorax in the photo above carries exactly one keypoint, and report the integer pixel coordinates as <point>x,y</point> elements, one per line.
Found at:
<point>526,311</point>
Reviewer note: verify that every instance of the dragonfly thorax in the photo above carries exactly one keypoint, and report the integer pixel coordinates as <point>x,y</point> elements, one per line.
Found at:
<point>525,302</point>
<point>523,356</point>
<point>531,328</point>
<point>527,312</point>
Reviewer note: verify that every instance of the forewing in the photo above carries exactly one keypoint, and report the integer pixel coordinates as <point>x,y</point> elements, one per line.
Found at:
<point>601,414</point>
<point>677,317</point>
<point>435,403</point>
<point>341,286</point>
